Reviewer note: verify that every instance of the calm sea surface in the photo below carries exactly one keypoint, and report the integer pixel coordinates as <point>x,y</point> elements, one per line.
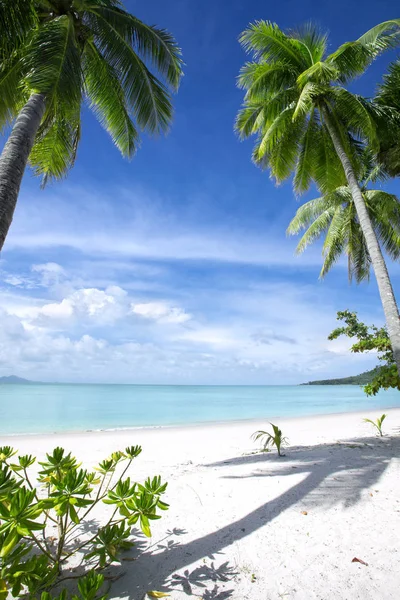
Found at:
<point>49,408</point>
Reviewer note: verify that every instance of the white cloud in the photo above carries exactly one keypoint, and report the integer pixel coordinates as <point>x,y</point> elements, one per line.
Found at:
<point>161,312</point>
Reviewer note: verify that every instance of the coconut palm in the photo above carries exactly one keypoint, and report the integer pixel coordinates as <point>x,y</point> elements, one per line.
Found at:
<point>57,54</point>
<point>334,216</point>
<point>309,124</point>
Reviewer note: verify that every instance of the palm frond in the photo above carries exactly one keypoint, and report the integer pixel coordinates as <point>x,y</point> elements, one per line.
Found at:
<point>335,239</point>
<point>304,171</point>
<point>266,79</point>
<point>283,149</point>
<point>12,94</point>
<point>316,229</point>
<point>328,172</point>
<point>55,148</point>
<point>382,37</point>
<point>54,64</point>
<point>312,41</point>
<point>249,120</point>
<point>384,209</point>
<point>352,110</point>
<point>306,214</point>
<point>266,40</point>
<point>17,19</point>
<point>155,46</point>
<point>107,99</point>
<point>320,73</point>
<point>306,99</point>
<point>274,131</point>
<point>146,97</point>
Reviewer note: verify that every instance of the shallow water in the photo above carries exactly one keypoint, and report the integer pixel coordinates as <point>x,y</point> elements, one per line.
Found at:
<point>47,408</point>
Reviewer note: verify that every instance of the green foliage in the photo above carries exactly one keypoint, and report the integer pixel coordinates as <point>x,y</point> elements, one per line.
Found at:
<point>90,50</point>
<point>271,439</point>
<point>32,559</point>
<point>361,379</point>
<point>370,338</point>
<point>293,86</point>
<point>377,423</point>
<point>334,217</point>
<point>388,99</point>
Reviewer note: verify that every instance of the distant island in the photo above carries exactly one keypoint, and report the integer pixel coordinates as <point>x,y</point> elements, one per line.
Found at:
<point>14,379</point>
<point>362,379</point>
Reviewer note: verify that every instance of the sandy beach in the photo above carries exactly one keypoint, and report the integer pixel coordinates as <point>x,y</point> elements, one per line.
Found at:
<point>255,526</point>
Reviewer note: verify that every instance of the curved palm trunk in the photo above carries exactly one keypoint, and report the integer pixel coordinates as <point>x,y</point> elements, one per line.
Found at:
<point>378,262</point>
<point>14,158</point>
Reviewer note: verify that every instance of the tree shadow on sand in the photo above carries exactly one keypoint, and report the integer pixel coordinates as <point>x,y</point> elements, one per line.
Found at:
<point>332,474</point>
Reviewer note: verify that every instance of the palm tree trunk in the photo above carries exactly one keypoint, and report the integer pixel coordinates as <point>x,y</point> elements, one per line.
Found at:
<point>378,262</point>
<point>14,158</point>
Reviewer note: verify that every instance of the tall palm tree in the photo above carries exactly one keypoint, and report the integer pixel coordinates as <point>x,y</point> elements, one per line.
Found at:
<point>334,216</point>
<point>309,124</point>
<point>56,54</point>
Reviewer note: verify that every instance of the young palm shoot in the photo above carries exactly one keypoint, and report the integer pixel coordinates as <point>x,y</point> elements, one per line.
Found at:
<point>271,439</point>
<point>377,423</point>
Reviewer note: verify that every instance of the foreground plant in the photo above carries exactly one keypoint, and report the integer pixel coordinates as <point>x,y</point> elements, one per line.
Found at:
<point>377,424</point>
<point>309,124</point>
<point>271,439</point>
<point>44,524</point>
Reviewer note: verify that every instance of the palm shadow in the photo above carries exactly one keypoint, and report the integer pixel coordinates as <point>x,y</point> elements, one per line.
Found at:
<point>332,474</point>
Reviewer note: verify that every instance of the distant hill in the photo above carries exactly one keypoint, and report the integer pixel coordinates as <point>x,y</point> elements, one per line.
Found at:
<point>362,379</point>
<point>14,379</point>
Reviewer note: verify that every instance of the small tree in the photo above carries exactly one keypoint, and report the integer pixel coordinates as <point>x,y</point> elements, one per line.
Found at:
<point>370,338</point>
<point>35,559</point>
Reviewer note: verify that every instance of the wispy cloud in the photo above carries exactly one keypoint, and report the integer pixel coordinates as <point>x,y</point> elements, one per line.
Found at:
<point>132,223</point>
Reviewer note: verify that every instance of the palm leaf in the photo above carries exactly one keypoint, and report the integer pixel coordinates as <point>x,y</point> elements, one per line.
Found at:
<point>55,148</point>
<point>257,77</point>
<point>12,94</point>
<point>335,240</point>
<point>154,45</point>
<point>107,100</point>
<point>54,64</point>
<point>320,73</point>
<point>265,40</point>
<point>146,97</point>
<point>306,160</point>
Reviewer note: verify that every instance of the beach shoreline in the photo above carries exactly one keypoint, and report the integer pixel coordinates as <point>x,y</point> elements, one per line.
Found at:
<point>248,525</point>
<point>197,424</point>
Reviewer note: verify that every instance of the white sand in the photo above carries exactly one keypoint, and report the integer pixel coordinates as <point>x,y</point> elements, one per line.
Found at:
<point>235,528</point>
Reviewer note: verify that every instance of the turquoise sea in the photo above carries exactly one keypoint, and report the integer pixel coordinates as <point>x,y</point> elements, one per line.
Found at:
<point>71,407</point>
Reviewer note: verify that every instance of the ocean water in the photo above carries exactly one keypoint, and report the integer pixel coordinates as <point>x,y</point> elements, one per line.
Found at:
<point>53,408</point>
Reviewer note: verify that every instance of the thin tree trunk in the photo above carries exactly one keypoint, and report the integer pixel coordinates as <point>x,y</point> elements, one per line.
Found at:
<point>14,158</point>
<point>378,262</point>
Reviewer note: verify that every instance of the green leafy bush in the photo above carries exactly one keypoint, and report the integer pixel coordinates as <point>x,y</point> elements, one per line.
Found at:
<point>271,439</point>
<point>34,559</point>
<point>370,337</point>
<point>377,423</point>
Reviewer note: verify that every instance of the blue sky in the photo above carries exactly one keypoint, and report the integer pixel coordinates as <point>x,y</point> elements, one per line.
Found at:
<point>175,267</point>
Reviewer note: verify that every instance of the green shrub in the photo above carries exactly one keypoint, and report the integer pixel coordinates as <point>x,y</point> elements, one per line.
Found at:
<point>377,423</point>
<point>271,439</point>
<point>34,560</point>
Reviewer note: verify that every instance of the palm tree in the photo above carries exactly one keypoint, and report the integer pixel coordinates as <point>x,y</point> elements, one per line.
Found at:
<point>55,54</point>
<point>309,124</point>
<point>334,216</point>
